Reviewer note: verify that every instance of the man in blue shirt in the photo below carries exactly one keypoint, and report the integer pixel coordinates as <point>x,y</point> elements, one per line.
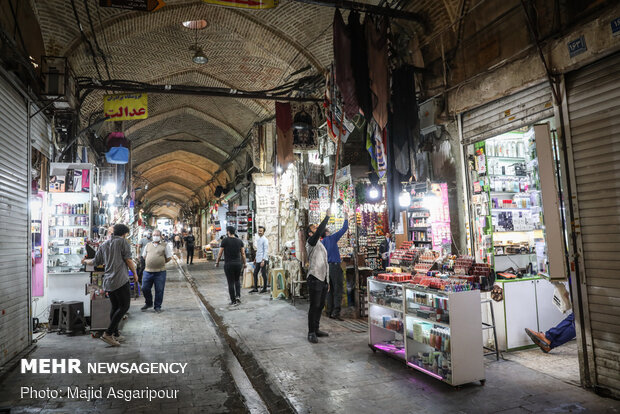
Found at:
<point>336,279</point>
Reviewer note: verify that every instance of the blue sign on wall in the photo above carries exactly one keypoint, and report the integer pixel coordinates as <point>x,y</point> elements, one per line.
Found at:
<point>615,26</point>
<point>577,46</point>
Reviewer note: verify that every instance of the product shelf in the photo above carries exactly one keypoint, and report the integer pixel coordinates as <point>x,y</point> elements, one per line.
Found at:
<point>385,307</point>
<point>431,322</point>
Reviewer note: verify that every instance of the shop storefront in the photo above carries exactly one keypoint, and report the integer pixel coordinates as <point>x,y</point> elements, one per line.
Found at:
<point>515,215</point>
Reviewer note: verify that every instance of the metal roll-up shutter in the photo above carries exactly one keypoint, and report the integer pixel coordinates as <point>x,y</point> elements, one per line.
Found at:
<point>507,114</point>
<point>14,256</point>
<point>593,94</point>
<point>40,132</point>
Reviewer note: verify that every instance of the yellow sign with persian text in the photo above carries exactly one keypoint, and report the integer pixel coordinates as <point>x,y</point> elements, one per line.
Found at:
<point>246,4</point>
<point>125,106</point>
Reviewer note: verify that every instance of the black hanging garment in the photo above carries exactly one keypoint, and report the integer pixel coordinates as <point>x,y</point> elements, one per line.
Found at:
<point>359,63</point>
<point>403,133</point>
<point>342,64</point>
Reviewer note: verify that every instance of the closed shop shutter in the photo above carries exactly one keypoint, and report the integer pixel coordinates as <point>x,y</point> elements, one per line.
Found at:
<point>593,94</point>
<point>14,226</point>
<point>508,114</point>
<point>41,133</point>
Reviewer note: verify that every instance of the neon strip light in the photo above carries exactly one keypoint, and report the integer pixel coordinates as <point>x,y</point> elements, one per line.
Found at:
<point>390,348</point>
<point>432,374</point>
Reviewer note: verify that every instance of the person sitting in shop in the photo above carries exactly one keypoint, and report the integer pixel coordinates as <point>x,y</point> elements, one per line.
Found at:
<point>261,260</point>
<point>234,262</point>
<point>115,254</point>
<point>156,255</point>
<point>318,278</point>
<point>336,278</point>
<point>556,336</point>
<point>386,247</point>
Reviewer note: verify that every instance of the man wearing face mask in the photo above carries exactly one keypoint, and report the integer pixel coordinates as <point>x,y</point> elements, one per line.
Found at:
<point>156,254</point>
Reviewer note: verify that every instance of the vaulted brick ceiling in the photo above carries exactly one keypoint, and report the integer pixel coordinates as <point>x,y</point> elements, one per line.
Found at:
<point>185,139</point>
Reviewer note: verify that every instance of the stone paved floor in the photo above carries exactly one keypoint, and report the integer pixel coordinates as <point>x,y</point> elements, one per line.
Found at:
<point>179,334</point>
<point>342,375</point>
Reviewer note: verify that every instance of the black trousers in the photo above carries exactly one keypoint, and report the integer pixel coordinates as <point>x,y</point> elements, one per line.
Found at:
<point>233,276</point>
<point>120,300</point>
<point>190,254</point>
<point>317,290</point>
<point>263,270</point>
<point>336,283</point>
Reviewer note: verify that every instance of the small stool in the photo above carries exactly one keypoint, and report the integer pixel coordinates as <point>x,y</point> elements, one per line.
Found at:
<point>491,351</point>
<point>72,317</point>
<point>54,317</point>
<point>294,284</point>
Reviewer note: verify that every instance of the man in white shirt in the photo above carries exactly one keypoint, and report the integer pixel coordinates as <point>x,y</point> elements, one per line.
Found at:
<point>261,261</point>
<point>156,254</point>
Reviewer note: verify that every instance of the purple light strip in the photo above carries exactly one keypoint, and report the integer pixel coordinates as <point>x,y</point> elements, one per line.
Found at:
<point>390,348</point>
<point>432,374</point>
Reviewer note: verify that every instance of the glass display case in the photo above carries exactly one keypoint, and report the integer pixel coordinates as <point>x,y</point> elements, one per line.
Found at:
<point>385,314</point>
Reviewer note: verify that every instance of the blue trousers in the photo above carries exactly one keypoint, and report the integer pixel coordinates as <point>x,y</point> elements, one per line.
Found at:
<point>562,332</point>
<point>148,280</point>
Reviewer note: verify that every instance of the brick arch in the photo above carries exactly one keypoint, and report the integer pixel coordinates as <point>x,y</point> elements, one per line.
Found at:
<point>200,165</point>
<point>168,188</point>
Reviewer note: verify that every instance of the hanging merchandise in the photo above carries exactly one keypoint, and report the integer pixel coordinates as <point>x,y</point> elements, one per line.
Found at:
<point>305,124</point>
<point>359,60</point>
<point>284,130</point>
<point>376,36</point>
<point>338,127</point>
<point>343,69</point>
<point>404,116</point>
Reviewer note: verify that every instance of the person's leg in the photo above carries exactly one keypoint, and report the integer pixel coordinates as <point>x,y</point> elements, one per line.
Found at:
<point>231,282</point>
<point>264,275</point>
<point>191,252</point>
<point>114,303</point>
<point>336,288</point>
<point>323,293</point>
<point>147,284</point>
<point>562,332</point>
<point>122,296</point>
<point>160,284</point>
<point>330,293</point>
<point>237,281</point>
<point>314,297</point>
<point>255,278</point>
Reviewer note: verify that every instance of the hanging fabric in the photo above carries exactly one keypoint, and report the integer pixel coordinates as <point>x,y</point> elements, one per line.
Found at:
<point>342,59</point>
<point>338,127</point>
<point>376,37</point>
<point>405,116</point>
<point>359,61</point>
<point>284,132</point>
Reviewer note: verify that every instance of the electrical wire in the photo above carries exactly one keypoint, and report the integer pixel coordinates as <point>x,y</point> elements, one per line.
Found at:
<point>105,37</point>
<point>90,46</point>
<point>92,30</point>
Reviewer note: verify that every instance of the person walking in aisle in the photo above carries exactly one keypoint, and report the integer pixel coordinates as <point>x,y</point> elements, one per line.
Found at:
<point>318,278</point>
<point>234,262</point>
<point>261,262</point>
<point>115,254</point>
<point>336,278</point>
<point>139,248</point>
<point>190,243</point>
<point>156,255</point>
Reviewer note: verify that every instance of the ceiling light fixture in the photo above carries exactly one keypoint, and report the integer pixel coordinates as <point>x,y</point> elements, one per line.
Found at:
<point>199,56</point>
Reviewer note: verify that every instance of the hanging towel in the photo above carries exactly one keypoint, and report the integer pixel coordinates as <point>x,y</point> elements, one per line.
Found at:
<point>344,72</point>
<point>376,37</point>
<point>359,61</point>
<point>284,132</point>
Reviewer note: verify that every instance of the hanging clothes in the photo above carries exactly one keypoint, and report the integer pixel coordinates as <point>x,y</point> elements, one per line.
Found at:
<point>376,146</point>
<point>344,72</point>
<point>403,133</point>
<point>376,38</point>
<point>359,63</point>
<point>284,133</point>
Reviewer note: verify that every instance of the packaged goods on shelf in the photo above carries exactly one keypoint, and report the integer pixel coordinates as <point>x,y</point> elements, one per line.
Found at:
<point>463,265</point>
<point>394,277</point>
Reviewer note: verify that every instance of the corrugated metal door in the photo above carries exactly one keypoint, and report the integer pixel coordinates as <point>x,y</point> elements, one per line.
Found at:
<point>507,114</point>
<point>40,132</point>
<point>14,226</point>
<point>593,93</point>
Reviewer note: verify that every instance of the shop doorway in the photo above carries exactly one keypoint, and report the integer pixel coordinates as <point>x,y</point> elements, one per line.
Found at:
<point>517,224</point>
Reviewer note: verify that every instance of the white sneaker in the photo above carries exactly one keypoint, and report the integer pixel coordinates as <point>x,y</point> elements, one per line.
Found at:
<point>120,338</point>
<point>110,340</point>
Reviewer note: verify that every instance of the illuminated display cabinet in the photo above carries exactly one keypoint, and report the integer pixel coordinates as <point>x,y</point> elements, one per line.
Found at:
<point>437,333</point>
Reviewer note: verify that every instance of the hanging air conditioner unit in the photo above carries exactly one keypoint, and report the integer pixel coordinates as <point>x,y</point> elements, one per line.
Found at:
<point>58,84</point>
<point>429,112</point>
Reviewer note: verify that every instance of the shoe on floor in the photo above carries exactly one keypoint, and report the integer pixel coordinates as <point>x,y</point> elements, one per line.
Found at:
<point>312,338</point>
<point>109,339</point>
<point>539,339</point>
<point>254,290</point>
<point>119,338</point>
<point>338,318</point>
<point>321,333</point>
<point>263,290</point>
<point>158,310</point>
<point>145,307</point>
<point>238,301</point>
